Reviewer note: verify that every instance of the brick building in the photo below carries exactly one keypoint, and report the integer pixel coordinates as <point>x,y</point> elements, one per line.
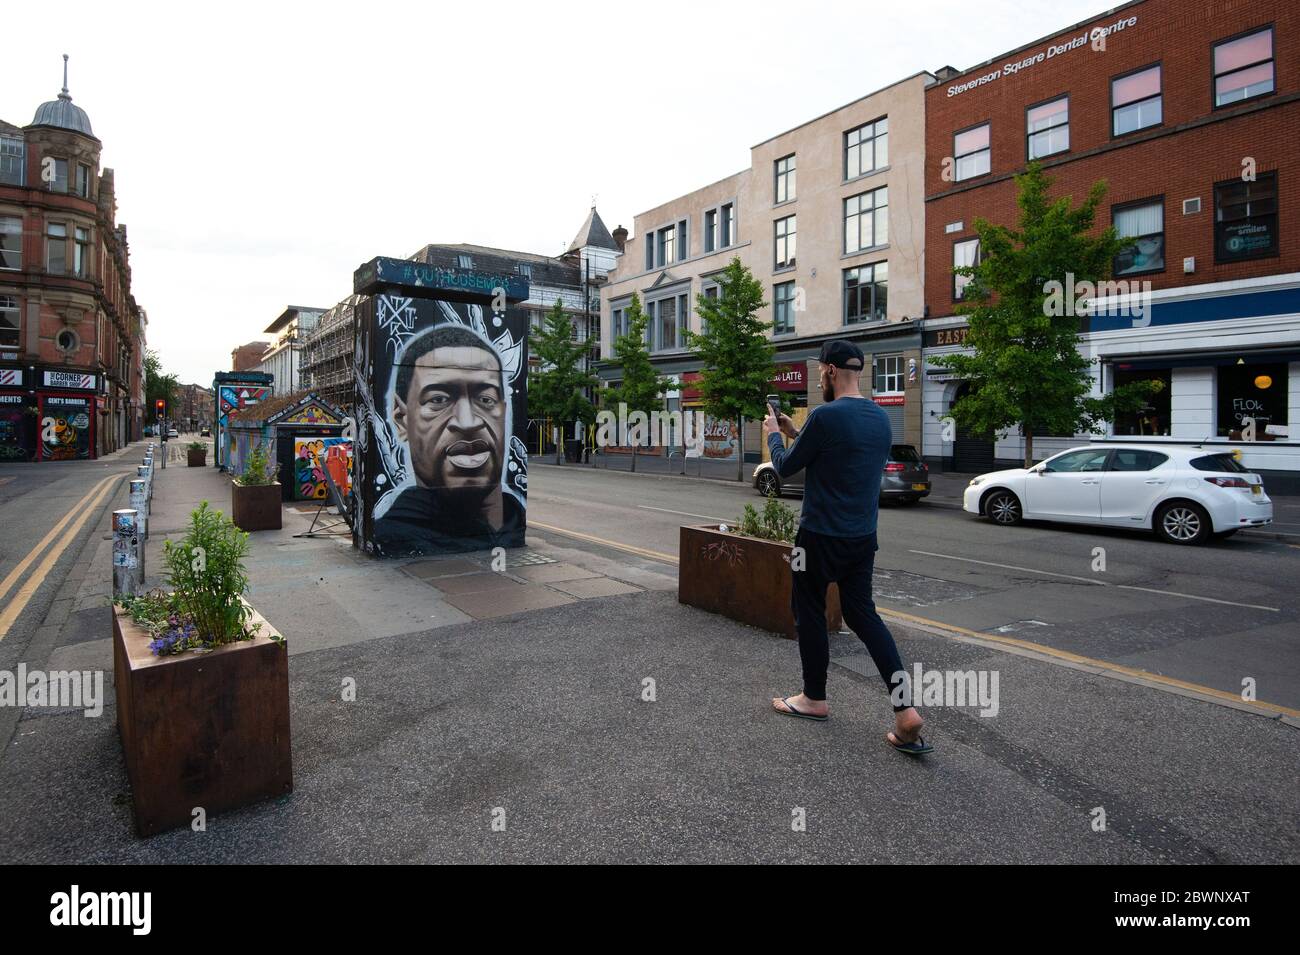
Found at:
<point>196,408</point>
<point>248,356</point>
<point>72,337</point>
<point>1191,113</point>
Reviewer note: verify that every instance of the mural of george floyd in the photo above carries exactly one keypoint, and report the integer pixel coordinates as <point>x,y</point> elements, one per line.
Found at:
<point>441,367</point>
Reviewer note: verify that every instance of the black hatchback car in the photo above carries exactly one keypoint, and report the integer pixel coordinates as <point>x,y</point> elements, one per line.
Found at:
<point>906,477</point>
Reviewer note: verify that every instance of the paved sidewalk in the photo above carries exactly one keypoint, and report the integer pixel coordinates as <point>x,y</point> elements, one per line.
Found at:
<point>541,715</point>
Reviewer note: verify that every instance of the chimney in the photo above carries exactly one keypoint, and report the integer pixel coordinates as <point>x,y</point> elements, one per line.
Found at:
<point>620,238</point>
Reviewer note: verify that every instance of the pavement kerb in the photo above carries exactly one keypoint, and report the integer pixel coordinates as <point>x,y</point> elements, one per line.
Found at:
<point>1062,658</point>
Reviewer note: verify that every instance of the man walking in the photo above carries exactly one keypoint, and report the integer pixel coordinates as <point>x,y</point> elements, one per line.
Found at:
<point>843,447</point>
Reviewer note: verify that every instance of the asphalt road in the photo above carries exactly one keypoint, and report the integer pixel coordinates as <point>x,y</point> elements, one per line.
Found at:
<point>1216,615</point>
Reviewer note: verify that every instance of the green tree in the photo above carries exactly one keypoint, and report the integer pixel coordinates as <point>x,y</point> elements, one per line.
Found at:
<point>641,388</point>
<point>158,385</point>
<point>735,350</point>
<point>1025,368</point>
<point>558,388</point>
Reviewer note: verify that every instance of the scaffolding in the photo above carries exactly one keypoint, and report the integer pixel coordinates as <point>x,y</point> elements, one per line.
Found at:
<point>327,355</point>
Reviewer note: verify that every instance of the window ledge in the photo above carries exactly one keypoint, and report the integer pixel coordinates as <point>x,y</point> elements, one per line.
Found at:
<point>870,250</point>
<point>865,175</point>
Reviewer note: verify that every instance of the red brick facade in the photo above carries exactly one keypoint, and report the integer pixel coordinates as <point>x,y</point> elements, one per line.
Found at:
<point>1195,146</point>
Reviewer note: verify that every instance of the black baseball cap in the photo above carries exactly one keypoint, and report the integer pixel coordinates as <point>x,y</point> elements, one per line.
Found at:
<point>842,354</point>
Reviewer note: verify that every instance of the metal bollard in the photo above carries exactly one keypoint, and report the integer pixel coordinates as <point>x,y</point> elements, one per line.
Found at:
<point>145,473</point>
<point>128,554</point>
<point>140,504</point>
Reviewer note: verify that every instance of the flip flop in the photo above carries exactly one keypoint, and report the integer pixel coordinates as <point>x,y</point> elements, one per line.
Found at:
<point>803,716</point>
<point>918,746</point>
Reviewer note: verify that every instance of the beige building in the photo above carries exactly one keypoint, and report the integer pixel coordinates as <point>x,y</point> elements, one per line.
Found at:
<point>829,216</point>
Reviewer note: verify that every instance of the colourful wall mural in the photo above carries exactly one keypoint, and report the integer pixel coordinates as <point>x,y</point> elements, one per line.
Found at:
<point>65,428</point>
<point>338,462</point>
<point>311,414</point>
<point>308,472</point>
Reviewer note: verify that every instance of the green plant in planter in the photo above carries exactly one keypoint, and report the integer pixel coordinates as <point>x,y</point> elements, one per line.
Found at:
<point>196,446</point>
<point>256,468</point>
<point>777,522</point>
<point>206,572</point>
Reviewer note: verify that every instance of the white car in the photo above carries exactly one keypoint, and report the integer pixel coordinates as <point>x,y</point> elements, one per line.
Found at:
<point>1184,494</point>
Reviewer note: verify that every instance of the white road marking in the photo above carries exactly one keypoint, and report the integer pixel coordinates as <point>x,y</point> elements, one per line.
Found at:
<point>707,517</point>
<point>1027,570</point>
<point>1099,583</point>
<point>1213,600</point>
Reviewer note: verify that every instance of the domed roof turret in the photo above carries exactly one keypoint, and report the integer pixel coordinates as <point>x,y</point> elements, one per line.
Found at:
<point>61,113</point>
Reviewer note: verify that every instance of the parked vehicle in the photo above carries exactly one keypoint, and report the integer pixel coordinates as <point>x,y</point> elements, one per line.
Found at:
<point>1185,495</point>
<point>172,433</point>
<point>205,433</point>
<point>906,477</point>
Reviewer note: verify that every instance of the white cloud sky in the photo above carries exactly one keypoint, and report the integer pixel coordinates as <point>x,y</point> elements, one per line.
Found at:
<point>263,151</point>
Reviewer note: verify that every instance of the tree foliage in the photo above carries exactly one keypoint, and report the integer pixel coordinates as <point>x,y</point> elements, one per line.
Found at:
<point>1025,368</point>
<point>558,388</point>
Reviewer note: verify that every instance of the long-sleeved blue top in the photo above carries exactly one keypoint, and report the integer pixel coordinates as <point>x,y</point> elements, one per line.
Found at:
<point>843,446</point>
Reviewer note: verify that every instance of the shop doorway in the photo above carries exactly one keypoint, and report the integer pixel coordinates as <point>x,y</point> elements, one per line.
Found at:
<point>970,454</point>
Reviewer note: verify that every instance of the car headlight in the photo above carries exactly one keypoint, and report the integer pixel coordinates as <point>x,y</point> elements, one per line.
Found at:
<point>974,481</point>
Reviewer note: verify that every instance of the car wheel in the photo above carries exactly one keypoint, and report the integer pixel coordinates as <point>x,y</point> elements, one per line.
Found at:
<point>768,485</point>
<point>1003,508</point>
<point>1182,522</point>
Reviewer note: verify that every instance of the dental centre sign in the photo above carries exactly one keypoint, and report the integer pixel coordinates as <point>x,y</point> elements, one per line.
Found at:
<point>1094,38</point>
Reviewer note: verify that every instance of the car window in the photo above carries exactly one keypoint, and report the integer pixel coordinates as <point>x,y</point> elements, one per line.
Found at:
<point>1089,460</point>
<point>1219,462</point>
<point>1132,459</point>
<point>903,452</point>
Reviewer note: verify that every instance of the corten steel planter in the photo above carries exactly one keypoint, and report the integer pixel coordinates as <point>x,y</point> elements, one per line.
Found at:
<point>196,459</point>
<point>205,729</point>
<point>255,507</point>
<point>744,578</point>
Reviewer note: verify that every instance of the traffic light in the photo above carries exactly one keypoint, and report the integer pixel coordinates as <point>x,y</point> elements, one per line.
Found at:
<point>161,406</point>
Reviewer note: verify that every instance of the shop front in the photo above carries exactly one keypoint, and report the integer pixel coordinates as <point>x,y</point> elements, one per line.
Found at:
<point>66,403</point>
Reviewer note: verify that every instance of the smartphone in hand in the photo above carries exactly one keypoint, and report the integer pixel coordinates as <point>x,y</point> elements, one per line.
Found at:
<point>774,402</point>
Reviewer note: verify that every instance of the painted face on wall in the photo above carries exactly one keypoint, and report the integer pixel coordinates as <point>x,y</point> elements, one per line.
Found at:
<point>453,418</point>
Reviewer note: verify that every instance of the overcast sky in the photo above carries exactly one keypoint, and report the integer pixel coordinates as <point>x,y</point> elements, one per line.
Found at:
<point>263,151</point>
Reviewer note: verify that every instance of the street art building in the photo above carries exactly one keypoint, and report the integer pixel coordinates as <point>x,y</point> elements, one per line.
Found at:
<point>829,217</point>
<point>295,431</point>
<point>1190,113</point>
<point>234,390</point>
<point>441,360</point>
<point>72,337</point>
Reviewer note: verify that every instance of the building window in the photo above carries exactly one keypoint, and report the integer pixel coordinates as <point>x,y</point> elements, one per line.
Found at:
<point>785,179</point>
<point>81,251</point>
<point>1245,218</point>
<point>1135,101</point>
<point>56,248</point>
<point>970,150</point>
<point>649,251</point>
<point>9,327</point>
<point>887,375</point>
<point>83,180</point>
<point>11,161</point>
<point>664,323</point>
<point>866,148</point>
<point>1047,128</point>
<point>785,242</point>
<point>866,220</point>
<point>11,243</point>
<point>667,245</point>
<point>783,308</point>
<point>726,225</point>
<point>1153,418</point>
<point>67,341</point>
<point>1252,391</point>
<point>60,181</point>
<point>1243,68</point>
<point>1144,224</point>
<point>866,294</point>
<point>683,253</point>
<point>710,230</point>
<point>618,324</point>
<point>464,262</point>
<point>525,270</point>
<point>964,253</point>
<point>710,292</point>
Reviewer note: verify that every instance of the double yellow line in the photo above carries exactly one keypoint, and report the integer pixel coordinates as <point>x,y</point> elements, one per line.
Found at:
<point>69,527</point>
